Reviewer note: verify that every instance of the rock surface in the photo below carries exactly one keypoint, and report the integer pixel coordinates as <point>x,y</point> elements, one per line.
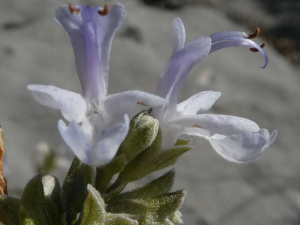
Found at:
<point>34,49</point>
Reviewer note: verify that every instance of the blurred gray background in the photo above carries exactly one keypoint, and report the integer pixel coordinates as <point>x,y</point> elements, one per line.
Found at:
<point>35,50</point>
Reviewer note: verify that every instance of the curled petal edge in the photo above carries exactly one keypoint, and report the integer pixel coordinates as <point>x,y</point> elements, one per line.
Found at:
<point>240,148</point>
<point>76,139</point>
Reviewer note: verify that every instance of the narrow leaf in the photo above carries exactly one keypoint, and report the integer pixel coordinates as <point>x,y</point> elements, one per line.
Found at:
<point>169,157</point>
<point>143,131</point>
<point>116,188</point>
<point>74,190</point>
<point>34,202</point>
<point>120,219</point>
<point>94,208</point>
<point>25,218</point>
<point>9,210</point>
<point>52,198</point>
<point>183,142</point>
<point>156,187</point>
<point>140,166</point>
<point>150,161</point>
<point>168,204</point>
<point>105,173</point>
<point>151,211</point>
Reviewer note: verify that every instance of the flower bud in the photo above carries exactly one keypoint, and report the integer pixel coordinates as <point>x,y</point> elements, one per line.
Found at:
<point>142,132</point>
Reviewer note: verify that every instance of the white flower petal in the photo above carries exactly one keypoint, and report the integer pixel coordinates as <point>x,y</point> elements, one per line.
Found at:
<point>227,34</point>
<point>273,136</point>
<point>244,42</point>
<point>68,20</point>
<point>122,103</point>
<point>106,27</point>
<point>180,64</point>
<point>239,148</point>
<point>220,124</point>
<point>179,34</point>
<point>72,105</point>
<point>100,153</point>
<point>170,134</point>
<point>91,35</point>
<point>109,144</point>
<point>244,147</point>
<point>198,103</point>
<point>76,139</point>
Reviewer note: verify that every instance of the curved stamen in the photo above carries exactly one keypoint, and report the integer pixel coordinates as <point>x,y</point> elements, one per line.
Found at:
<point>104,11</point>
<point>73,10</point>
<point>256,50</point>
<point>254,35</point>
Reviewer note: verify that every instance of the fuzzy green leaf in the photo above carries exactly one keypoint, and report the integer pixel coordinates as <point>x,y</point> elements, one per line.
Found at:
<point>25,218</point>
<point>139,166</point>
<point>133,175</point>
<point>120,219</point>
<point>150,161</point>
<point>143,131</point>
<point>105,173</point>
<point>52,197</point>
<point>176,217</point>
<point>33,200</point>
<point>116,188</point>
<point>94,208</point>
<point>156,187</point>
<point>183,142</point>
<point>74,190</point>
<point>151,211</point>
<point>9,210</point>
<point>169,157</point>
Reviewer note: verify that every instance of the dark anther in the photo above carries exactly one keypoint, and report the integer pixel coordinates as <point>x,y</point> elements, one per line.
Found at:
<point>73,10</point>
<point>251,36</point>
<point>195,125</point>
<point>105,11</point>
<point>150,110</point>
<point>255,49</point>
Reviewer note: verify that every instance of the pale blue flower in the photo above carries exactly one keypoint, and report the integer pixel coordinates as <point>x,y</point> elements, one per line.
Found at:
<point>98,122</point>
<point>236,139</point>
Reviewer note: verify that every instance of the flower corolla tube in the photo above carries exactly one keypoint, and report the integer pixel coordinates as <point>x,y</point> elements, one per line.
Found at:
<point>234,138</point>
<point>98,122</point>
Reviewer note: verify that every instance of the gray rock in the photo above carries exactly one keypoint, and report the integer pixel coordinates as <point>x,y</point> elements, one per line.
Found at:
<point>34,49</point>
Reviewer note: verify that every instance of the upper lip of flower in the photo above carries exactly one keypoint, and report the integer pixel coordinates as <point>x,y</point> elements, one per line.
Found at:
<point>236,139</point>
<point>91,31</point>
